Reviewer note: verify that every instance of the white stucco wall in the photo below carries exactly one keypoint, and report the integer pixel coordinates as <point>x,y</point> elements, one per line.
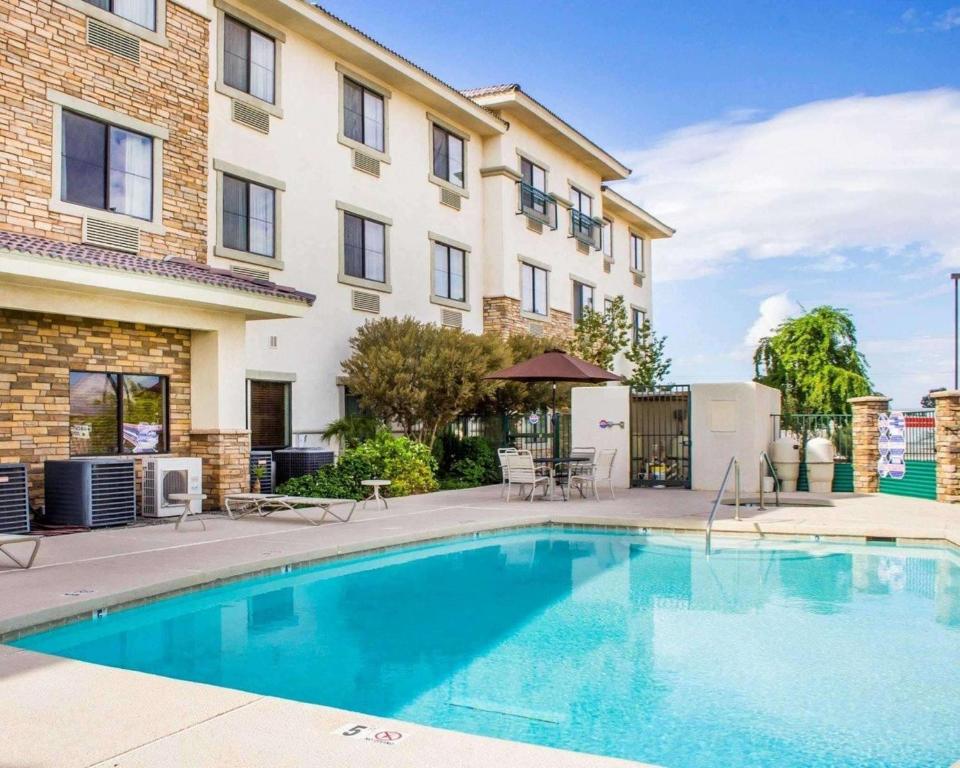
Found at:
<point>730,420</point>
<point>590,406</point>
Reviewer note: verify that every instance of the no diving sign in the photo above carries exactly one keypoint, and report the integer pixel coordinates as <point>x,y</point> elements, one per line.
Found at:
<point>370,733</point>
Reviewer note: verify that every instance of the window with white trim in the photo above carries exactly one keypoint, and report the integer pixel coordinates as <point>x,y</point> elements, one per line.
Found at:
<point>582,299</point>
<point>533,289</point>
<point>636,253</point>
<point>143,13</point>
<point>449,272</point>
<point>249,60</point>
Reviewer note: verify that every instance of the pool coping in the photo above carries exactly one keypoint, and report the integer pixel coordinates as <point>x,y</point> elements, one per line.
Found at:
<point>21,625</point>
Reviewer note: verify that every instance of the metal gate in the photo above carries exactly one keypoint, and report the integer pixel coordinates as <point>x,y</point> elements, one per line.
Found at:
<point>660,437</point>
<point>920,479</point>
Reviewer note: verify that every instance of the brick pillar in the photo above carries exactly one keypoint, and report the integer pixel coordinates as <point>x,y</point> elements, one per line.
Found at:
<point>226,462</point>
<point>866,452</point>
<point>947,439</point>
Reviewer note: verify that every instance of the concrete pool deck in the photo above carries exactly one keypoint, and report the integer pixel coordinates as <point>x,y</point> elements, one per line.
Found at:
<point>59,712</point>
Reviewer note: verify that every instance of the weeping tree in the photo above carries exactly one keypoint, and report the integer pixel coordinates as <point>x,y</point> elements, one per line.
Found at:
<point>814,361</point>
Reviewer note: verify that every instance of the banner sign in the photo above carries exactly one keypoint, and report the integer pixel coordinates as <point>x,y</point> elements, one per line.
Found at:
<point>892,444</point>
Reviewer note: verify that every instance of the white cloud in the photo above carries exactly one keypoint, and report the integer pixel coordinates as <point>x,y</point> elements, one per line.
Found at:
<point>773,311</point>
<point>949,19</point>
<point>869,172</point>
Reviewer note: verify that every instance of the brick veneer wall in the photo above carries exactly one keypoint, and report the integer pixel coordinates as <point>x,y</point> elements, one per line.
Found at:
<point>866,449</point>
<point>44,46</point>
<point>37,353</point>
<point>947,404</point>
<point>501,314</point>
<point>226,462</point>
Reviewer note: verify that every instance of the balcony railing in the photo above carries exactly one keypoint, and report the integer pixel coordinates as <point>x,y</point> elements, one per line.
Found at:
<point>585,228</point>
<point>536,204</point>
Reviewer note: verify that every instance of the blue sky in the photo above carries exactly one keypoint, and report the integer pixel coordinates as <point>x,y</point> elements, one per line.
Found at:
<point>807,153</point>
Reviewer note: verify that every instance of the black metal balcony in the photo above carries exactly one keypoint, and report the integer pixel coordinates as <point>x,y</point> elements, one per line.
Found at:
<point>585,228</point>
<point>536,204</point>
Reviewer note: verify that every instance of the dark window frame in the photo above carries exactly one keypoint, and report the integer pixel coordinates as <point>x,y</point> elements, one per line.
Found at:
<point>463,256</point>
<point>164,446</point>
<point>249,60</point>
<point>108,6</point>
<point>534,203</point>
<point>364,90</point>
<point>109,127</point>
<point>578,303</point>
<point>533,288</point>
<point>363,247</point>
<point>639,316</point>
<point>273,209</point>
<point>288,413</point>
<point>447,133</point>
<point>637,257</point>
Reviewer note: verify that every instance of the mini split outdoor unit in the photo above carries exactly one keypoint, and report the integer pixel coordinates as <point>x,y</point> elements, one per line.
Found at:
<point>14,499</point>
<point>93,493</point>
<point>167,475</point>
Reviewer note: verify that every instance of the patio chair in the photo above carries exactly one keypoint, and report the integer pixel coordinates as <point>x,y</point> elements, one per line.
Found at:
<point>8,540</point>
<point>502,453</point>
<point>599,472</point>
<point>582,467</point>
<point>522,472</point>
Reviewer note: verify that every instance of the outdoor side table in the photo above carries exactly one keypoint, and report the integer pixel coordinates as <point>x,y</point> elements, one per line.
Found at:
<point>186,500</point>
<point>553,463</point>
<point>375,496</point>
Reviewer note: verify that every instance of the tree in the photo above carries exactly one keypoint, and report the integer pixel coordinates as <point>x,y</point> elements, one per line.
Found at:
<point>522,397</point>
<point>813,360</point>
<point>420,376</point>
<point>646,353</point>
<point>599,336</point>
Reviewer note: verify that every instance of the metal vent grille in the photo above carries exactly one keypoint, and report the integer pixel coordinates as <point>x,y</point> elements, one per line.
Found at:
<point>273,342</point>
<point>251,116</point>
<point>583,247</point>
<point>637,278</point>
<point>449,198</point>
<point>535,226</point>
<point>366,302</point>
<point>535,329</point>
<point>107,234</point>
<point>113,493</point>
<point>14,500</point>
<point>264,459</point>
<point>363,162</point>
<point>252,272</point>
<point>606,267</point>
<point>108,38</point>
<point>451,319</point>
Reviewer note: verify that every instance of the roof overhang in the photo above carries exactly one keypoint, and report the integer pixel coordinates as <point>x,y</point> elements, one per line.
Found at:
<point>357,49</point>
<point>94,284</point>
<point>515,104</point>
<point>616,204</point>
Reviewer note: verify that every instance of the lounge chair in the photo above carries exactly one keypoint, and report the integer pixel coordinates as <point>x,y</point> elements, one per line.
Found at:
<point>264,504</point>
<point>522,472</point>
<point>599,472</point>
<point>8,540</point>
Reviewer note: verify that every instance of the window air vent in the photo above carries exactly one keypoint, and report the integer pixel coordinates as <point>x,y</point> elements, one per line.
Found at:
<point>108,38</point>
<point>251,117</point>
<point>583,247</point>
<point>273,342</point>
<point>637,278</point>
<point>607,266</point>
<point>535,226</point>
<point>535,329</point>
<point>366,302</point>
<point>107,234</point>
<point>251,272</point>
<point>449,198</point>
<point>363,162</point>
<point>451,319</point>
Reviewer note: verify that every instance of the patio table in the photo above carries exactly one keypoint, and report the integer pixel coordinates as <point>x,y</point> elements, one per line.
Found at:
<point>553,463</point>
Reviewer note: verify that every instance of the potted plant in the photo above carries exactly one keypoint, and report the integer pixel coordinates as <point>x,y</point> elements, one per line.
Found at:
<point>259,470</point>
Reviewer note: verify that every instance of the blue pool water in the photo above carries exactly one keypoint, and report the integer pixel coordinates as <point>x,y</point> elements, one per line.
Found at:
<point>635,646</point>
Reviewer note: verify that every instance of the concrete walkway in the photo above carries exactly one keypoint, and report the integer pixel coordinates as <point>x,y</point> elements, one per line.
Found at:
<point>61,713</point>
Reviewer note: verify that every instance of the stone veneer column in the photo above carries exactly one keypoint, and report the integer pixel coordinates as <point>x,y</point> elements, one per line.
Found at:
<point>947,441</point>
<point>866,452</point>
<point>226,462</point>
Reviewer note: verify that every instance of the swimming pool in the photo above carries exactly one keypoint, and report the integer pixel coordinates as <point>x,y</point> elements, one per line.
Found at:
<point>766,654</point>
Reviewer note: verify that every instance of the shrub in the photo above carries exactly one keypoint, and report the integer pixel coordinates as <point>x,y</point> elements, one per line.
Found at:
<point>470,461</point>
<point>407,464</point>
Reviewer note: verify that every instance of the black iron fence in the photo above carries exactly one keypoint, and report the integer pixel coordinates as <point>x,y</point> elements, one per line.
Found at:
<point>835,427</point>
<point>920,435</point>
<point>533,432</point>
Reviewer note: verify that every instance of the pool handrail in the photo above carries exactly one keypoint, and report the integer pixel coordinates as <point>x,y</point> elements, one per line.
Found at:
<point>766,463</point>
<point>734,466</point>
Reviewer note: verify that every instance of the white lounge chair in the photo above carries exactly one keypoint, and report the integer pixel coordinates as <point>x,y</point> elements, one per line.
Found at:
<point>9,540</point>
<point>264,504</point>
<point>502,454</point>
<point>522,472</point>
<point>601,471</point>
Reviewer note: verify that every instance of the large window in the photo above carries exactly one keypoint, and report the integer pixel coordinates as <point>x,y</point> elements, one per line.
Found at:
<point>582,299</point>
<point>636,253</point>
<point>140,12</point>
<point>117,413</point>
<point>106,167</point>
<point>533,287</point>
<point>448,156</point>
<point>364,248</point>
<point>449,273</point>
<point>363,115</point>
<point>535,180</point>
<point>268,414</point>
<point>581,215</point>
<point>249,212</point>
<point>249,60</point>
